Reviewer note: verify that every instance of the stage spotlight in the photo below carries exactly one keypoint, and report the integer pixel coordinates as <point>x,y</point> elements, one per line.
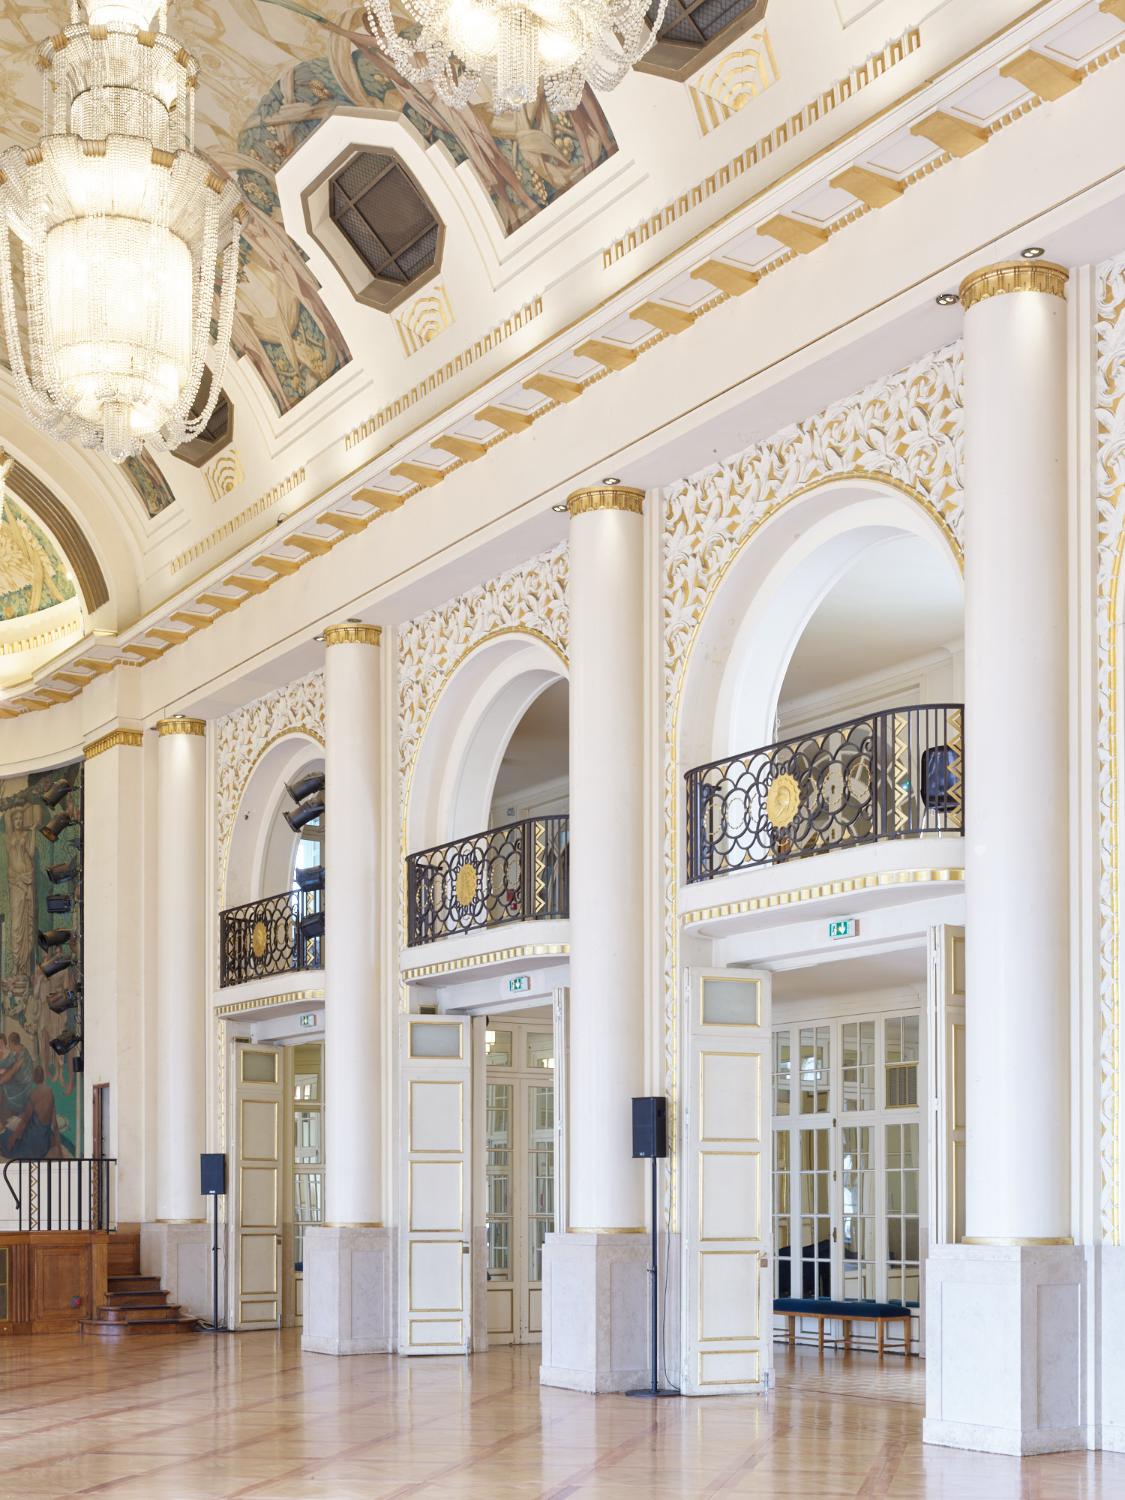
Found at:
<point>310,880</point>
<point>56,792</point>
<point>57,904</point>
<point>58,823</point>
<point>306,785</point>
<point>63,1002</point>
<point>65,1043</point>
<point>51,966</point>
<point>55,937</point>
<point>304,814</point>
<point>56,874</point>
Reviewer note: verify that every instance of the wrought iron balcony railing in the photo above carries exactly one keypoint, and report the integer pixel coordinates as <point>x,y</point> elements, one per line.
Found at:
<point>894,774</point>
<point>518,873</point>
<point>63,1194</point>
<point>271,936</point>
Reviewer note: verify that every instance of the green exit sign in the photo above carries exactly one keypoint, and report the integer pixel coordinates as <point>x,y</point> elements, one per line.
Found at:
<point>519,984</point>
<point>843,927</point>
<point>308,1019</point>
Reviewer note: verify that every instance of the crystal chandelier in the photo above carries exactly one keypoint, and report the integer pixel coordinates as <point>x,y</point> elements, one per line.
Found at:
<point>118,243</point>
<point>516,47</point>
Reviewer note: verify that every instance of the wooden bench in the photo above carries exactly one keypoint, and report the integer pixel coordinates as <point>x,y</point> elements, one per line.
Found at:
<point>825,1308</point>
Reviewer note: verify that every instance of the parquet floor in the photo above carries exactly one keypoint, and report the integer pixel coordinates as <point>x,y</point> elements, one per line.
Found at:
<point>250,1416</point>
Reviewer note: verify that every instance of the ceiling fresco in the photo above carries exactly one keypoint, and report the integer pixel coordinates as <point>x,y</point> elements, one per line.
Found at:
<point>33,574</point>
<point>272,72</point>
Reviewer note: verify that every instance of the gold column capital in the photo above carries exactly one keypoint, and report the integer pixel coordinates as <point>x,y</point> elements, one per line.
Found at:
<point>353,634</point>
<point>181,724</point>
<point>111,741</point>
<point>606,497</point>
<point>1014,276</point>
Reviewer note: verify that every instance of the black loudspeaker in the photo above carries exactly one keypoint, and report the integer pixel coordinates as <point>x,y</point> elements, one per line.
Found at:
<point>213,1173</point>
<point>650,1126</point>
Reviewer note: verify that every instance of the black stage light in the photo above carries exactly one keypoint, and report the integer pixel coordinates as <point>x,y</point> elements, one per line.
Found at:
<point>56,905</point>
<point>310,880</point>
<point>306,785</point>
<point>55,938</point>
<point>304,814</point>
<point>55,965</point>
<point>58,823</point>
<point>63,1002</point>
<point>65,1043</point>
<point>56,874</point>
<point>56,792</point>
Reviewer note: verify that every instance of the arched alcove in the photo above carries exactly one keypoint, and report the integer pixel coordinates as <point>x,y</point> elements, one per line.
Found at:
<point>469,731</point>
<point>262,845</point>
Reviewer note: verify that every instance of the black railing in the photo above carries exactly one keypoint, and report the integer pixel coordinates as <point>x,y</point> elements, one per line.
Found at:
<point>272,936</point>
<point>894,774</point>
<point>64,1195</point>
<point>518,873</point>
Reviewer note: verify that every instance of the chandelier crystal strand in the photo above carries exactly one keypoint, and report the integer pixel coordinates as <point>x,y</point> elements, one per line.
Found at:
<point>128,240</point>
<point>517,48</point>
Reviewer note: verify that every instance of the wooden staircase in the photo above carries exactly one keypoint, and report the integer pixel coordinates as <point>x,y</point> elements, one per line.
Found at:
<point>135,1304</point>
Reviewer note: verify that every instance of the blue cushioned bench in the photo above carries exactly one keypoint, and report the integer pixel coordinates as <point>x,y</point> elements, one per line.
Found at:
<point>821,1308</point>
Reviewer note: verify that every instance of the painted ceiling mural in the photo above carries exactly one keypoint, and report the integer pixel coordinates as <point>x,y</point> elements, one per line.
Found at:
<point>301,64</point>
<point>33,574</point>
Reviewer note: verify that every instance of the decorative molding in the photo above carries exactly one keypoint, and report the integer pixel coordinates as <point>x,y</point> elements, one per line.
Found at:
<point>907,432</point>
<point>112,740</point>
<point>612,497</point>
<point>817,109</point>
<point>244,736</point>
<point>425,318</point>
<point>481,960</point>
<point>224,474</point>
<point>228,528</point>
<point>1014,276</point>
<point>777,899</point>
<point>1109,418</point>
<point>267,1002</point>
<point>467,357</point>
<point>353,634</point>
<point>741,74</point>
<point>181,724</point>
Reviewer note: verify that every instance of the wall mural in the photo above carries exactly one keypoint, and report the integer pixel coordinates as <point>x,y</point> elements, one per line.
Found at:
<point>40,1097</point>
<point>33,573</point>
<point>300,65</point>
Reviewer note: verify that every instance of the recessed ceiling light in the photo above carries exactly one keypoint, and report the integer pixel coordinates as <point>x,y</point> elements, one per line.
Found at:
<point>1033,252</point>
<point>611,480</point>
<point>946,299</point>
<point>319,639</point>
<point>560,507</point>
<point>282,518</point>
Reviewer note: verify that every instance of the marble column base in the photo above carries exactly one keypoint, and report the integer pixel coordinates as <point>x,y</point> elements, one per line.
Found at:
<point>595,1312</point>
<point>1110,1263</point>
<point>347,1290</point>
<point>1004,1335</point>
<point>180,1254</point>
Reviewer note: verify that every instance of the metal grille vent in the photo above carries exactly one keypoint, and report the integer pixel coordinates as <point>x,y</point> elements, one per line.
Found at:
<point>376,205</point>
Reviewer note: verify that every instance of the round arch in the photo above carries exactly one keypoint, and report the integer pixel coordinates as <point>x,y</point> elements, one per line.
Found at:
<point>770,588</point>
<point>256,863</point>
<point>475,713</point>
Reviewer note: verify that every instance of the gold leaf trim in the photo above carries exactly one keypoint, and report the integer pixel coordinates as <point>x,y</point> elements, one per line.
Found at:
<point>112,740</point>
<point>181,724</point>
<point>353,635</point>
<point>1014,276</point>
<point>610,497</point>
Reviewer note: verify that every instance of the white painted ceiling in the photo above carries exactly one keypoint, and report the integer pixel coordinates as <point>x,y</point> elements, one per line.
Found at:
<point>867,973</point>
<point>900,600</point>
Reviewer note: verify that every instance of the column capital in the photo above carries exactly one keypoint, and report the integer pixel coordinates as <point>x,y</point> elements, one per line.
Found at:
<point>606,497</point>
<point>181,724</point>
<point>1014,276</point>
<point>353,634</point>
<point>113,740</point>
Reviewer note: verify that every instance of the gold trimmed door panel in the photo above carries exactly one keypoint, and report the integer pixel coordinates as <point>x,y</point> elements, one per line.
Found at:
<point>726,1212</point>
<point>259,1115</point>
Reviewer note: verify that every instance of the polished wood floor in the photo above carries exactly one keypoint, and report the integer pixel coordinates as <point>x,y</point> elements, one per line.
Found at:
<point>250,1416</point>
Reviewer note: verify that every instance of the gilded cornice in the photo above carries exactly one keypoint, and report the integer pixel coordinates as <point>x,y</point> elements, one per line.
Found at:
<point>181,724</point>
<point>353,635</point>
<point>112,741</point>
<point>606,497</point>
<point>1014,276</point>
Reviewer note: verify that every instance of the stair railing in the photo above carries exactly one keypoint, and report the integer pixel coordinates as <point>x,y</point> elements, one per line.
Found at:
<point>60,1195</point>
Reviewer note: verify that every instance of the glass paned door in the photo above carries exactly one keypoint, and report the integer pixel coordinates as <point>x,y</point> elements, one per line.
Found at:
<point>498,1176</point>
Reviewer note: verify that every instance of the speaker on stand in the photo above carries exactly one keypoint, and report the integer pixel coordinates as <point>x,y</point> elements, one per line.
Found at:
<point>650,1142</point>
<point>213,1185</point>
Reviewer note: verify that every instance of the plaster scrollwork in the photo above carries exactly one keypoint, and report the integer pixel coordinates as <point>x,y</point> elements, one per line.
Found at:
<point>529,599</point>
<point>906,430</point>
<point>1110,424</point>
<point>244,736</point>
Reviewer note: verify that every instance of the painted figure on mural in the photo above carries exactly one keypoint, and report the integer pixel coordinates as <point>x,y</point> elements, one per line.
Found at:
<point>34,1133</point>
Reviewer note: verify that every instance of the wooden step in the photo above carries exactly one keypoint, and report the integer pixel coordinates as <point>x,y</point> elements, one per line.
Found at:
<point>124,1258</point>
<point>133,1284</point>
<point>174,1328</point>
<point>134,1299</point>
<point>145,1312</point>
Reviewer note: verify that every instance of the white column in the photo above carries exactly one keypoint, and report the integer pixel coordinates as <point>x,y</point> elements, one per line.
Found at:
<point>181,966</point>
<point>594,1293</point>
<point>1016,731</point>
<point>1004,1319</point>
<point>347,1274</point>
<point>112,955</point>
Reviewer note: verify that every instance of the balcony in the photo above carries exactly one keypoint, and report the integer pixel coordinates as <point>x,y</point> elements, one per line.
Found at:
<point>275,935</point>
<point>518,873</point>
<point>895,774</point>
